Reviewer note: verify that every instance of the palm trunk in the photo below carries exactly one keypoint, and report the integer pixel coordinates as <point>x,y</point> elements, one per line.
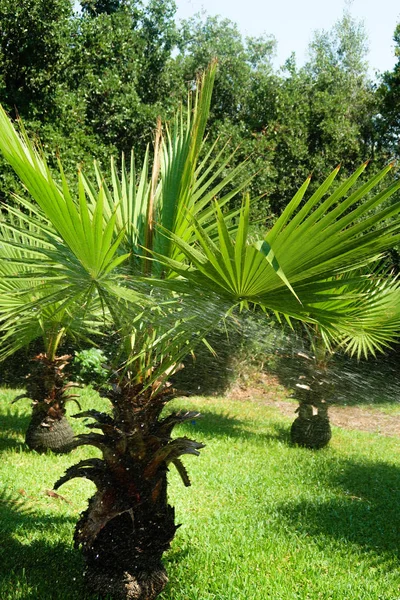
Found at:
<point>311,430</point>
<point>313,387</point>
<point>129,524</point>
<point>124,559</point>
<point>49,429</point>
<point>45,433</point>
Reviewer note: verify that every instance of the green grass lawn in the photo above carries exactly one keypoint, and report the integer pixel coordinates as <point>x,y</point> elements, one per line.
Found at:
<point>262,520</point>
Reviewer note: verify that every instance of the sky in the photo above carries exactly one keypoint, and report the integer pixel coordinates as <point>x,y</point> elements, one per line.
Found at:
<point>292,23</point>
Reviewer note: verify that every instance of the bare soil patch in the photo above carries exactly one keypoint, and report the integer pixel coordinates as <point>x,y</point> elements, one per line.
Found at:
<point>269,391</point>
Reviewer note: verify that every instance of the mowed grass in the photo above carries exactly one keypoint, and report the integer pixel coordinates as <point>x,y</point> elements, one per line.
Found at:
<point>262,520</point>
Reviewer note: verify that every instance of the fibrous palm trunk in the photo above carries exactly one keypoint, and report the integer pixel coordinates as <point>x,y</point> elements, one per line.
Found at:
<point>311,430</point>
<point>48,429</point>
<point>129,524</point>
<point>313,387</point>
<point>124,559</point>
<point>45,433</point>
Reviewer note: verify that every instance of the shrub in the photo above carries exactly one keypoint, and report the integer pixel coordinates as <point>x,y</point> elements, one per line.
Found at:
<point>88,367</point>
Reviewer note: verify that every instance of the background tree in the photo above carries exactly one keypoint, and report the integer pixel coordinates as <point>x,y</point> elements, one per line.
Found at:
<point>94,78</point>
<point>342,99</point>
<point>158,36</point>
<point>97,7</point>
<point>103,75</point>
<point>388,122</point>
<point>294,121</point>
<point>245,68</point>
<point>322,114</point>
<point>202,40</point>
<point>34,47</point>
<point>119,69</point>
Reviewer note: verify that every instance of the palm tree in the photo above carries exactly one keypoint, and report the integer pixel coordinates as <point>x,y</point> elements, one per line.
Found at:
<point>157,256</point>
<point>47,383</point>
<point>129,516</point>
<point>313,390</point>
<point>314,387</point>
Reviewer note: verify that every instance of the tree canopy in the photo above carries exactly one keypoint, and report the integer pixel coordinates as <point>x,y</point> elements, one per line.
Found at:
<point>92,82</point>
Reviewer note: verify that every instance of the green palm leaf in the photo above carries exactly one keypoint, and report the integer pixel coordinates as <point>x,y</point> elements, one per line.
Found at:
<point>290,271</point>
<point>83,232</point>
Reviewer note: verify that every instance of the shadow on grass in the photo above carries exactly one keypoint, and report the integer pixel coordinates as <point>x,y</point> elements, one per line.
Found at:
<point>15,423</point>
<point>37,569</point>
<point>8,443</point>
<point>214,424</point>
<point>41,570</point>
<point>366,512</point>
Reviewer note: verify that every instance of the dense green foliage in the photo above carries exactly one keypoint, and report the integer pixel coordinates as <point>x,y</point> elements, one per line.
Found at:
<point>89,366</point>
<point>92,82</point>
<point>389,92</point>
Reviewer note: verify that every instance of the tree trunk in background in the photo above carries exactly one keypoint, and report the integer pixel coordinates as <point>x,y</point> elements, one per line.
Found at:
<point>46,387</point>
<point>45,433</point>
<point>311,430</point>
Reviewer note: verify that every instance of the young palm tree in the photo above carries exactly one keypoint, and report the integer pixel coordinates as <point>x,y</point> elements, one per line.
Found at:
<point>47,385</point>
<point>129,524</point>
<point>26,318</point>
<point>313,391</point>
<point>160,261</point>
<point>315,388</point>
